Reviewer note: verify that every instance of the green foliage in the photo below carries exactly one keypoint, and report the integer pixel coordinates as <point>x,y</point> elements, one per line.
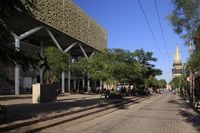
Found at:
<point>101,66</point>
<point>163,83</point>
<point>114,66</point>
<point>9,9</point>
<point>155,83</point>
<point>179,82</point>
<point>150,82</point>
<point>194,62</point>
<point>148,70</point>
<point>58,61</point>
<point>144,58</point>
<point>80,69</point>
<point>185,18</point>
<point>81,65</point>
<point>8,54</point>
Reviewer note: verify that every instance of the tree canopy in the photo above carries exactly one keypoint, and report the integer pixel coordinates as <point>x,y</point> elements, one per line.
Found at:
<point>185,18</point>
<point>8,54</point>
<point>148,73</point>
<point>194,62</point>
<point>114,66</point>
<point>57,60</point>
<point>179,82</point>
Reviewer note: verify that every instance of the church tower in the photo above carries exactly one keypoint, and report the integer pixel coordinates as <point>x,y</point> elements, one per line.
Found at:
<point>177,65</point>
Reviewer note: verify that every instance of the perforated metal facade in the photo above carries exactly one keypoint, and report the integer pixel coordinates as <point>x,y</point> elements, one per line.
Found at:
<point>67,17</point>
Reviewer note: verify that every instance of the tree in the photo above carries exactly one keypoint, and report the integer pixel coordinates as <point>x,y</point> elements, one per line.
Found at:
<point>150,82</point>
<point>194,62</point>
<point>103,67</point>
<point>81,65</point>
<point>144,58</point>
<point>175,83</point>
<point>9,9</point>
<point>179,82</point>
<point>58,62</point>
<point>80,68</point>
<point>8,54</point>
<point>125,68</point>
<point>114,66</point>
<point>148,70</point>
<point>163,83</point>
<point>155,83</point>
<point>185,18</point>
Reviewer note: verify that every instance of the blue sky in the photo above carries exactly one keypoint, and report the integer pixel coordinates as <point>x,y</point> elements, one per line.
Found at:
<point>127,28</point>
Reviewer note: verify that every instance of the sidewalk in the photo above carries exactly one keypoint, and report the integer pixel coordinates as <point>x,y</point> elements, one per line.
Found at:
<point>69,107</point>
<point>27,98</point>
<point>166,113</point>
<point>20,109</point>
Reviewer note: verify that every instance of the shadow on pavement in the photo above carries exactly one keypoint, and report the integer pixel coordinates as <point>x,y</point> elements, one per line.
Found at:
<point>182,104</point>
<point>7,98</point>
<point>192,118</point>
<point>16,112</point>
<point>189,115</point>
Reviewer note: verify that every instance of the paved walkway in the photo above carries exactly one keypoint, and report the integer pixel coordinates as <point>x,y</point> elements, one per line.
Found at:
<point>20,108</point>
<point>27,98</point>
<point>166,113</point>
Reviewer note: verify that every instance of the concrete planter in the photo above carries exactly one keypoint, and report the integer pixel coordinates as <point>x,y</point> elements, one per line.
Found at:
<point>42,93</point>
<point>115,96</point>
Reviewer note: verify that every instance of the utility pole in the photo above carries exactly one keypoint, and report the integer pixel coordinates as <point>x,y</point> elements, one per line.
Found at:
<point>192,97</point>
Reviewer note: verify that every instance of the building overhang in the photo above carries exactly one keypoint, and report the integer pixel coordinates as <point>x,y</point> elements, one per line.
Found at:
<point>24,23</point>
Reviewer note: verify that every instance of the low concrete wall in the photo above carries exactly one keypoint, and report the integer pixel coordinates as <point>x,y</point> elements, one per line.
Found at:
<point>44,93</point>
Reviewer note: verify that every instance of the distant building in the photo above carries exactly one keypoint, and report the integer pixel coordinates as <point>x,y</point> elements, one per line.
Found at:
<point>177,65</point>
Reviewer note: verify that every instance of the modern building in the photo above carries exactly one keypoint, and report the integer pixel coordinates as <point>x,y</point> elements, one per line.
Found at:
<point>177,65</point>
<point>58,23</point>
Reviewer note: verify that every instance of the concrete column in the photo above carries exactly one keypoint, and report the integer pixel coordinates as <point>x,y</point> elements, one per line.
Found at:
<point>69,76</point>
<point>101,84</point>
<point>63,82</point>
<point>69,79</point>
<point>17,48</point>
<point>75,84</point>
<point>41,75</point>
<point>88,84</point>
<point>17,79</point>
<point>83,84</point>
<point>41,69</point>
<point>17,67</point>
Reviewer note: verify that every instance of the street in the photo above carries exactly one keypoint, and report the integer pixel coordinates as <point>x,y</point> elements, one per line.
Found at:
<point>165,113</point>
<point>74,66</point>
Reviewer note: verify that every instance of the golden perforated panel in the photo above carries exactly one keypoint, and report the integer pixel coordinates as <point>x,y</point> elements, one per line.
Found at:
<point>67,17</point>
